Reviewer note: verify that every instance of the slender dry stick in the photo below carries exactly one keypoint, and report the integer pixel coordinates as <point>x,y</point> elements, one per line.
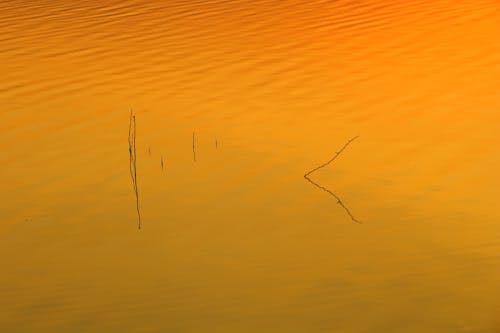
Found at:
<point>161,162</point>
<point>131,138</point>
<point>133,161</point>
<point>335,196</point>
<point>333,158</point>
<point>194,151</point>
<point>306,176</point>
<point>130,149</point>
<point>135,177</point>
<point>216,143</point>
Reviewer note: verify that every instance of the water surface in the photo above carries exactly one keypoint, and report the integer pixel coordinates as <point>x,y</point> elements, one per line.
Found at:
<point>239,241</point>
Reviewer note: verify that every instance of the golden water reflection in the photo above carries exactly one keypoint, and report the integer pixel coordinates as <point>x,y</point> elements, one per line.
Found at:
<point>239,241</point>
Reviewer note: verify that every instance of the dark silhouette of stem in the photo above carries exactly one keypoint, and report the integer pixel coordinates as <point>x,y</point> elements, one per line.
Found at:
<point>133,161</point>
<point>194,151</point>
<point>306,176</point>
<point>162,163</point>
<point>130,147</point>
<point>335,196</point>
<point>333,158</point>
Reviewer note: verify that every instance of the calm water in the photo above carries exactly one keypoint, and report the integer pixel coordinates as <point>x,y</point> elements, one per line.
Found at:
<point>239,241</point>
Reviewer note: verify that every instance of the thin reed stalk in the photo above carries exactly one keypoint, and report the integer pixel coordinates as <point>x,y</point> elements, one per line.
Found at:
<point>132,130</point>
<point>194,150</point>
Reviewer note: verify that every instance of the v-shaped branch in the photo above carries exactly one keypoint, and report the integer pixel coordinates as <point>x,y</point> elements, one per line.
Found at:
<point>306,176</point>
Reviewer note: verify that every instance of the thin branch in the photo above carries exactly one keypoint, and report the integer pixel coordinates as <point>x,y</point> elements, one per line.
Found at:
<point>133,162</point>
<point>333,158</point>
<point>335,196</point>
<point>135,176</point>
<point>306,176</point>
<point>130,147</point>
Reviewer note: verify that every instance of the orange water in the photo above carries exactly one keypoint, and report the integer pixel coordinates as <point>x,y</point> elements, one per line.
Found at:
<point>239,241</point>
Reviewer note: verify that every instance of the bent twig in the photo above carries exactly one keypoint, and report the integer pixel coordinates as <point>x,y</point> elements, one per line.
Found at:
<point>306,176</point>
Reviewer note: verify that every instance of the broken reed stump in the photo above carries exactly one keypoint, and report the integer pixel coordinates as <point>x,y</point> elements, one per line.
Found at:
<point>133,162</point>
<point>194,150</point>
<point>306,176</point>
